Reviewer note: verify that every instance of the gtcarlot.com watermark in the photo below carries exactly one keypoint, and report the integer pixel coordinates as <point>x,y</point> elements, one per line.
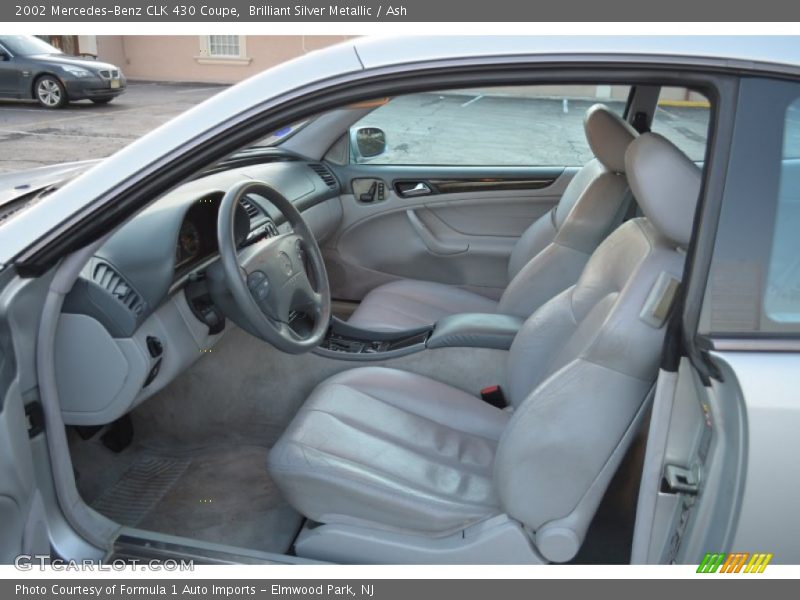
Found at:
<point>42,562</point>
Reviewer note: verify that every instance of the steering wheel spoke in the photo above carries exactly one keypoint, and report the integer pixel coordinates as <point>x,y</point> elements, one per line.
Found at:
<point>269,280</point>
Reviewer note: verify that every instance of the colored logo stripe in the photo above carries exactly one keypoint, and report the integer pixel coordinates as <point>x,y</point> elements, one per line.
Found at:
<point>735,562</point>
<point>758,563</point>
<point>711,563</point>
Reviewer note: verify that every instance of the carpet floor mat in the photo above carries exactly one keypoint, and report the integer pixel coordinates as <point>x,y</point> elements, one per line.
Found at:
<point>140,489</point>
<point>220,494</point>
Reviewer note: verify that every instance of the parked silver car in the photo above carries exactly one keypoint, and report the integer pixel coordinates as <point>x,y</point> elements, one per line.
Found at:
<point>435,300</point>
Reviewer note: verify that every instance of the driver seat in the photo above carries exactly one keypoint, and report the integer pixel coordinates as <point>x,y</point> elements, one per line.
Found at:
<point>401,468</point>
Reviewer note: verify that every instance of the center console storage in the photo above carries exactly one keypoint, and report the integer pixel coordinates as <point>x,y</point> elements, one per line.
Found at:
<point>346,342</point>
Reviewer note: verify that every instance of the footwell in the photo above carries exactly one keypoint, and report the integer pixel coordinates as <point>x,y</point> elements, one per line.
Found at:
<point>220,494</point>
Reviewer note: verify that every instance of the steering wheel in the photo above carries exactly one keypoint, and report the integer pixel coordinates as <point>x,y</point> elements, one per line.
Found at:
<point>268,279</point>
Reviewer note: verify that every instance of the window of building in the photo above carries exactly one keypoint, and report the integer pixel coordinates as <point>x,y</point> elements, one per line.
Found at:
<point>222,46</point>
<point>508,126</point>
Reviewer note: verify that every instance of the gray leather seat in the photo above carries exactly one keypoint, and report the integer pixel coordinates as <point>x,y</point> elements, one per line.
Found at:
<point>386,449</point>
<point>549,255</point>
<point>398,448</point>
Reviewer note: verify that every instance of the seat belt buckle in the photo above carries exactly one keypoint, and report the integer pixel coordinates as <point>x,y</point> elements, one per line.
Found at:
<point>494,395</point>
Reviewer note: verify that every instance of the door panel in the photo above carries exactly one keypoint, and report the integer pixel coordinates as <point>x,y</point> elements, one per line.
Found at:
<point>10,78</point>
<point>741,326</point>
<point>767,520</point>
<point>694,469</point>
<point>22,519</point>
<point>447,235</point>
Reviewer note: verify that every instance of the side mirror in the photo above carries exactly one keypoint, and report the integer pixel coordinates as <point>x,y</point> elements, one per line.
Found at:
<point>4,55</point>
<point>367,142</point>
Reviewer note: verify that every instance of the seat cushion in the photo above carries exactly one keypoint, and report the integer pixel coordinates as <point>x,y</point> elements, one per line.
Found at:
<point>381,446</point>
<point>409,303</point>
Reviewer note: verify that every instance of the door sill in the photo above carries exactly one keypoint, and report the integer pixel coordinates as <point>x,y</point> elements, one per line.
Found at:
<point>143,546</point>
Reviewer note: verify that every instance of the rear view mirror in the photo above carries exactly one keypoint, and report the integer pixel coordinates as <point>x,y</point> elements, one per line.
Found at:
<point>367,142</point>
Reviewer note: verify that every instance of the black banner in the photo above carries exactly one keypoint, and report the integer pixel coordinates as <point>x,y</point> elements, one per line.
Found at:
<point>392,589</point>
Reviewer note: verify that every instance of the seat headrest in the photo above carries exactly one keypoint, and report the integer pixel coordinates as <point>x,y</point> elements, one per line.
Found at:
<point>608,136</point>
<point>665,183</point>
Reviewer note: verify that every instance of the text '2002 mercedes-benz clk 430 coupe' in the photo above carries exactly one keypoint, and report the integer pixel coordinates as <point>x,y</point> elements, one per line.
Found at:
<point>434,300</point>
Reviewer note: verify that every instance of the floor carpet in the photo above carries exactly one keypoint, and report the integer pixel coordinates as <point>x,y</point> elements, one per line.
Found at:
<point>221,493</point>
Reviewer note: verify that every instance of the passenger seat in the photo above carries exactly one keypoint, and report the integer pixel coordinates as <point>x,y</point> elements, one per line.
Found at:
<point>547,259</point>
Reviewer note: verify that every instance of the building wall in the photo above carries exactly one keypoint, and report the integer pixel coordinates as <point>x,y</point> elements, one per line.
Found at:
<point>183,57</point>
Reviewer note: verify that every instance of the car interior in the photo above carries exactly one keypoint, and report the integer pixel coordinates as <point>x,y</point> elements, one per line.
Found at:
<point>315,348</point>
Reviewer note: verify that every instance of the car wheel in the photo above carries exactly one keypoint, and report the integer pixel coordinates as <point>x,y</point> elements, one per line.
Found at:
<point>101,100</point>
<point>50,92</point>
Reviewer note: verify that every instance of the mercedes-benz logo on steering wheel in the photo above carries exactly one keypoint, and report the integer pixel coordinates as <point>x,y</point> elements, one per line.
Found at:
<point>286,263</point>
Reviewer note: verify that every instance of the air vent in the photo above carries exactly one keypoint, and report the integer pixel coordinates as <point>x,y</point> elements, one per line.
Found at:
<point>324,174</point>
<point>107,278</point>
<point>252,210</point>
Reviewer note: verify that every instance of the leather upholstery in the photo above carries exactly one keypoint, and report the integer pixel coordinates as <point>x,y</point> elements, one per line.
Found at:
<point>592,206</point>
<point>402,451</point>
<point>409,303</point>
<point>668,183</point>
<point>393,448</point>
<point>608,137</point>
<point>475,330</point>
<point>548,257</point>
<point>579,370</point>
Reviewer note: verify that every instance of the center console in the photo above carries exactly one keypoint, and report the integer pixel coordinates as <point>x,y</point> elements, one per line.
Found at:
<point>473,330</point>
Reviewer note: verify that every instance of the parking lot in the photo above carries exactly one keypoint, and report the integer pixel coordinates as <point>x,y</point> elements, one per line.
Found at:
<point>486,128</point>
<point>31,136</point>
<point>463,128</point>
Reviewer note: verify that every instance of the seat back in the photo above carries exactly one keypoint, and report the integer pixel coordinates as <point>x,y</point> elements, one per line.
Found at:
<point>583,364</point>
<point>552,252</point>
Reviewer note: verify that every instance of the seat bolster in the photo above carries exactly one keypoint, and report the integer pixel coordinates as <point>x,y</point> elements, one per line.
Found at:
<point>561,438</point>
<point>409,303</point>
<point>549,273</point>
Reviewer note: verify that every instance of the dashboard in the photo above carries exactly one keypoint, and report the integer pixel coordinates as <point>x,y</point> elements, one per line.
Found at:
<point>174,238</point>
<point>140,310</point>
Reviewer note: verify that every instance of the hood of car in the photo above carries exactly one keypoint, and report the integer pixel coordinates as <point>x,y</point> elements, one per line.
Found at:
<point>62,60</point>
<point>17,184</point>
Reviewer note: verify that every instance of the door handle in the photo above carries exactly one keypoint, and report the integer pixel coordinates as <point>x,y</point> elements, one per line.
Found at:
<point>412,189</point>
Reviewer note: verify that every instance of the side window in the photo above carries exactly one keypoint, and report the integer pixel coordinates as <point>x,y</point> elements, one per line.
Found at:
<point>508,126</point>
<point>682,117</point>
<point>782,295</point>
<point>753,287</point>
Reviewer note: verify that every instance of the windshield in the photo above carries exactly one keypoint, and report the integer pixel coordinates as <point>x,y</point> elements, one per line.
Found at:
<point>277,136</point>
<point>27,45</point>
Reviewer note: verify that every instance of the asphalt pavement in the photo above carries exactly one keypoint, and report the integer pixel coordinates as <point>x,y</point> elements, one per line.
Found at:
<point>32,136</point>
